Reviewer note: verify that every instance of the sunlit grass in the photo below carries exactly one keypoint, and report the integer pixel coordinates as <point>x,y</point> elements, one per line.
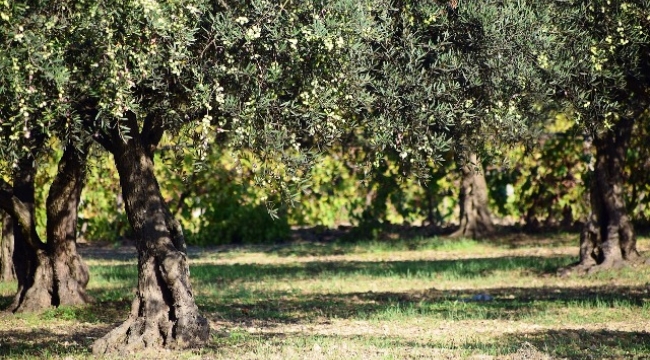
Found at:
<point>423,298</point>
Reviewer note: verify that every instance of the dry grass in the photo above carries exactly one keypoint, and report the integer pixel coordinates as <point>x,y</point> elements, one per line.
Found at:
<point>428,298</point>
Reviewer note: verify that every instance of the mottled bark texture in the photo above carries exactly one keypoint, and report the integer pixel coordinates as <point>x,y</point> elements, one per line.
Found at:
<point>52,273</point>
<point>164,313</point>
<point>607,239</point>
<point>32,265</point>
<point>70,271</point>
<point>7,271</point>
<point>475,218</point>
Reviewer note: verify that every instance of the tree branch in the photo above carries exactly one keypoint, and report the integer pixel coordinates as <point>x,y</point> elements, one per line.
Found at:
<point>152,132</point>
<point>104,140</point>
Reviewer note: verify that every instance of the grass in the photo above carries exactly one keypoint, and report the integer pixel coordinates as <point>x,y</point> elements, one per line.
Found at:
<point>422,298</point>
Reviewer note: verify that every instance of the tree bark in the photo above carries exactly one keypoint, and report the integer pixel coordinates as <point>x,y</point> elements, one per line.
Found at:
<point>475,218</point>
<point>32,264</point>
<point>163,313</point>
<point>607,239</point>
<point>50,274</point>
<point>70,271</point>
<point>7,271</point>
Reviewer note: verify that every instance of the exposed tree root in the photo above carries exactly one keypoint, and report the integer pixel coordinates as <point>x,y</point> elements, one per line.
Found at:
<point>163,314</point>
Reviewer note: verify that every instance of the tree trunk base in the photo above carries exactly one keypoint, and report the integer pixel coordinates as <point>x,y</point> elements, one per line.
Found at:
<point>71,276</point>
<point>139,333</point>
<point>590,267</point>
<point>475,219</point>
<point>473,233</point>
<point>51,287</point>
<point>37,295</point>
<point>163,314</point>
<point>133,335</point>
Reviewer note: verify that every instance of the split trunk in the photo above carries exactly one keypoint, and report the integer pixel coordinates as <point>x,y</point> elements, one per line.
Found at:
<point>52,273</point>
<point>70,271</point>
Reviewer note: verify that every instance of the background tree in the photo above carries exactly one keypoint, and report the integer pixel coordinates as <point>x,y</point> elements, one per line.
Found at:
<point>501,85</point>
<point>602,71</point>
<point>455,75</point>
<point>32,106</point>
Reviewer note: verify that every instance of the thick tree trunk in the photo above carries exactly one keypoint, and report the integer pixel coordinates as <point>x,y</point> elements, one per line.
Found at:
<point>7,271</point>
<point>49,274</point>
<point>164,313</point>
<point>475,219</point>
<point>607,239</point>
<point>32,263</point>
<point>70,272</point>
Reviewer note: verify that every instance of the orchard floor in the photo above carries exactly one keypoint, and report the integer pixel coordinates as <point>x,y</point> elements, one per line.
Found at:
<point>432,298</point>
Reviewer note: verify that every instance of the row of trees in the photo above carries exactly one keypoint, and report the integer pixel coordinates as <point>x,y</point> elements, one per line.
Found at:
<point>539,189</point>
<point>403,80</point>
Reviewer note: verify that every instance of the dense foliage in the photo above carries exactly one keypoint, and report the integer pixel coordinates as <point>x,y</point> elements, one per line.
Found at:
<point>471,68</point>
<point>345,112</point>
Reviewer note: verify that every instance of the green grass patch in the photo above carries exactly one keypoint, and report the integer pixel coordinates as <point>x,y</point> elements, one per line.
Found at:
<point>340,300</point>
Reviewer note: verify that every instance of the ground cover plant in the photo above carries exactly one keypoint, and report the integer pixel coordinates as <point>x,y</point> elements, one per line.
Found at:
<point>420,298</point>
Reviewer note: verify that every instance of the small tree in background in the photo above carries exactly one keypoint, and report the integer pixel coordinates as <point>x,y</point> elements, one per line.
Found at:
<point>455,75</point>
<point>503,91</point>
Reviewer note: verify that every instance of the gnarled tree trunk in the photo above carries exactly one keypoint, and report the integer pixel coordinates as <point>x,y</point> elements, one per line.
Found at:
<point>50,274</point>
<point>475,219</point>
<point>7,271</point>
<point>70,271</point>
<point>32,263</point>
<point>607,239</point>
<point>163,313</point>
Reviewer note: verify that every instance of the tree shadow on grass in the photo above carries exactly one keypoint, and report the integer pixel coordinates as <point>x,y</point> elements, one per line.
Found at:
<point>430,269</point>
<point>544,344</point>
<point>96,312</point>
<point>562,343</point>
<point>508,303</point>
<point>354,345</point>
<point>5,301</point>
<point>229,291</point>
<point>584,344</point>
<point>41,343</point>
<point>457,269</point>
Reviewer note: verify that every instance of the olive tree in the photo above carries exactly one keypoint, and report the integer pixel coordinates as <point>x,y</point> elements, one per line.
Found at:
<point>503,87</point>
<point>455,76</point>
<point>33,107</point>
<point>602,71</point>
<point>276,79</point>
